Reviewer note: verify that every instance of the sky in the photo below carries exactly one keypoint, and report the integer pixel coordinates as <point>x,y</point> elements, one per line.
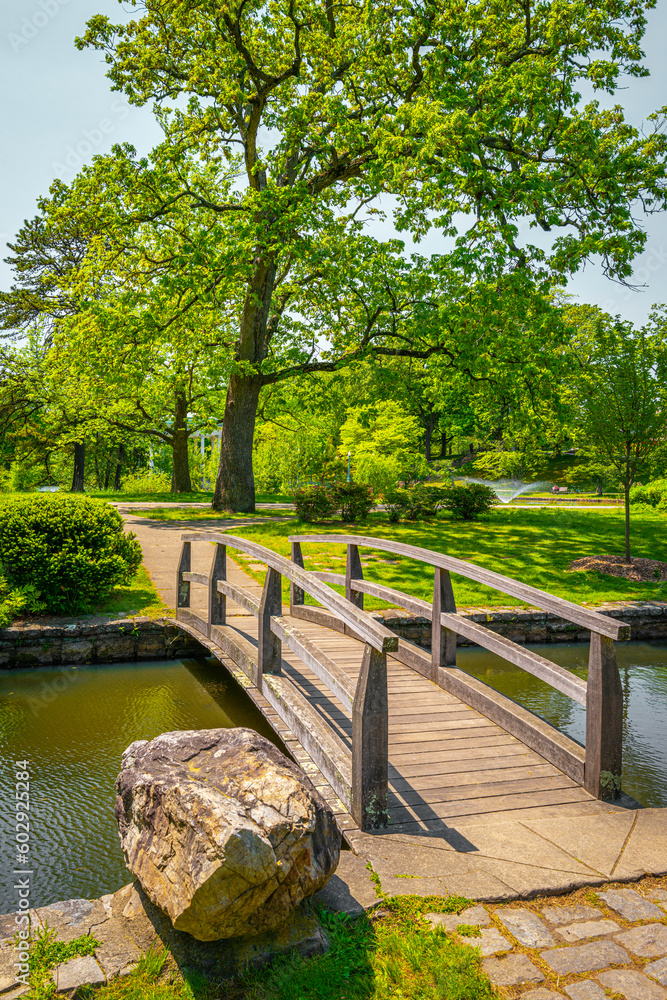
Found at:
<point>58,111</point>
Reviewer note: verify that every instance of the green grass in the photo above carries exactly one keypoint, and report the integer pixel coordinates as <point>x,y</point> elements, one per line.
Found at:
<point>198,496</point>
<point>139,598</point>
<point>391,955</point>
<point>534,546</point>
<point>190,514</point>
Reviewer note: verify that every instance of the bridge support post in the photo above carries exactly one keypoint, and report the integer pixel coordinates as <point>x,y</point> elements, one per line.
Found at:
<point>443,640</point>
<point>370,742</point>
<point>353,571</point>
<point>183,586</point>
<point>604,721</point>
<point>296,594</point>
<point>217,602</point>
<point>269,647</point>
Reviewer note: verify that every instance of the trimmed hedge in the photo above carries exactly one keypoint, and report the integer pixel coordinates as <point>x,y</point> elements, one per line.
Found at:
<point>72,550</point>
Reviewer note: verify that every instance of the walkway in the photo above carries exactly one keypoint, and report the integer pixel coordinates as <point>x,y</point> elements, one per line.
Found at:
<point>472,810</point>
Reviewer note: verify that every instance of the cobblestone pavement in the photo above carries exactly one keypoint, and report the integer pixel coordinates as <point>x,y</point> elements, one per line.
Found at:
<point>588,945</point>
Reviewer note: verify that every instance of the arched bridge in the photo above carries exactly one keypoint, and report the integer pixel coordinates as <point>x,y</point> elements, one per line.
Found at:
<point>396,736</point>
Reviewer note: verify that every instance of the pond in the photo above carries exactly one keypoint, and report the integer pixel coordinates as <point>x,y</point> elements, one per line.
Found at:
<point>643,670</point>
<point>73,724</point>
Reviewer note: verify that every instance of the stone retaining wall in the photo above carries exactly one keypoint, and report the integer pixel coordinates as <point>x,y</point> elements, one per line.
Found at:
<point>94,641</point>
<point>525,625</point>
<point>75,642</point>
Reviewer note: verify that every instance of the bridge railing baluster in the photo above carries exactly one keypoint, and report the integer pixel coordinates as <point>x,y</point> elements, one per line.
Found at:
<point>217,602</point>
<point>183,586</point>
<point>604,720</point>
<point>296,593</point>
<point>370,742</point>
<point>269,647</point>
<point>443,640</point>
<point>353,571</point>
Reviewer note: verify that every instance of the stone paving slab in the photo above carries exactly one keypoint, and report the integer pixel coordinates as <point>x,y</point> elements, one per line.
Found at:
<point>587,929</point>
<point>630,905</point>
<point>657,970</point>
<point>632,985</point>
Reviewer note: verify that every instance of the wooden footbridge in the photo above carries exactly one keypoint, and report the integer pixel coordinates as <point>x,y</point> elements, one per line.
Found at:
<point>404,737</point>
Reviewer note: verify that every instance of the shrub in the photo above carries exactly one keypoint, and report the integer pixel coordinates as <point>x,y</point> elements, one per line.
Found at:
<point>72,550</point>
<point>353,500</point>
<point>417,502</point>
<point>654,494</point>
<point>314,503</point>
<point>146,481</point>
<point>467,502</point>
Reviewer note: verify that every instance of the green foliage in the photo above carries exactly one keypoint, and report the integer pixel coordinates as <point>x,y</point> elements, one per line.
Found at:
<point>467,502</point>
<point>384,441</point>
<point>15,601</point>
<point>73,550</point>
<point>314,503</point>
<point>146,481</point>
<point>596,475</point>
<point>415,503</point>
<point>353,500</point>
<point>468,930</point>
<point>654,494</point>
<point>508,465</point>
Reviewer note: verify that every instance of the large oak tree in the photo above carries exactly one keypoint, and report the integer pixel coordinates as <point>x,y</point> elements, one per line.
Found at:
<point>299,114</point>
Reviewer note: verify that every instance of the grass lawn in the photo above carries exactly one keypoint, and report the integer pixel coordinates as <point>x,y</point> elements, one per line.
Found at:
<point>534,546</point>
<point>139,598</point>
<point>194,514</point>
<point>392,955</point>
<point>198,496</point>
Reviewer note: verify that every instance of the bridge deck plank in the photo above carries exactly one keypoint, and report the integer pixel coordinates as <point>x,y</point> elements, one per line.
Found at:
<point>446,760</point>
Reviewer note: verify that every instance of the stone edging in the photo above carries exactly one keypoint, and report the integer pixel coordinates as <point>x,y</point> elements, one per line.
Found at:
<point>77,642</point>
<point>648,620</point>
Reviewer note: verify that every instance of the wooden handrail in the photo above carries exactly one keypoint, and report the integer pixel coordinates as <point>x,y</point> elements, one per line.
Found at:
<point>592,620</point>
<point>379,637</point>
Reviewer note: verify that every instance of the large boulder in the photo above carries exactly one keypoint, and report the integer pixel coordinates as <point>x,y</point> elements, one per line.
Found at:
<point>225,834</point>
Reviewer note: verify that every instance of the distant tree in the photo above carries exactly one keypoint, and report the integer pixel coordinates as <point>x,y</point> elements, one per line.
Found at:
<point>621,397</point>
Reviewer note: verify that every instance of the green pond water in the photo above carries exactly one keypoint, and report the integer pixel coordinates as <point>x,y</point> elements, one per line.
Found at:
<point>73,725</point>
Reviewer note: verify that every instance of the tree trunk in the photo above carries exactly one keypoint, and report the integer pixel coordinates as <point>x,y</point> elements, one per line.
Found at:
<point>626,489</point>
<point>119,467</point>
<point>180,476</point>
<point>428,434</point>
<point>235,485</point>
<point>443,445</point>
<point>79,466</point>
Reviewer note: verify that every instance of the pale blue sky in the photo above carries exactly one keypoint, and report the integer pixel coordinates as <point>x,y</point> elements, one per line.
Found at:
<point>58,110</point>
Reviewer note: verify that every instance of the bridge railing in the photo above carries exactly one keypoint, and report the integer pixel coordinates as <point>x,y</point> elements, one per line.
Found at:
<point>597,766</point>
<point>359,779</point>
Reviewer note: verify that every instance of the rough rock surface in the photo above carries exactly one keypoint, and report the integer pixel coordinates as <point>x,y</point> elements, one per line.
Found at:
<point>225,834</point>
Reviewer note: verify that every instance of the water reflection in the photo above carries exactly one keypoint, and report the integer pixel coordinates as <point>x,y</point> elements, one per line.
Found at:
<point>643,670</point>
<point>74,738</point>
